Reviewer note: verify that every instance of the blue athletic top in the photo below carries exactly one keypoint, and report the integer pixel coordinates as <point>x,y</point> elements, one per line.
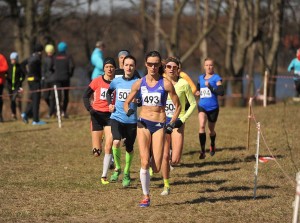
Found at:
<point>123,88</point>
<point>153,96</point>
<point>208,100</point>
<point>295,65</point>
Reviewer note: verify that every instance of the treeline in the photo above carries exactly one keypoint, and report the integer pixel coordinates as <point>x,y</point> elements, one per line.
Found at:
<point>242,36</point>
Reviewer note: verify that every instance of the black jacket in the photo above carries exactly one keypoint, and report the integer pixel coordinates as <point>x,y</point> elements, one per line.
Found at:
<point>14,80</point>
<point>63,67</point>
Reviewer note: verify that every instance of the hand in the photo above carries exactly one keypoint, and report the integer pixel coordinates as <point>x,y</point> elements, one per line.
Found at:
<point>111,108</point>
<point>130,112</point>
<point>169,128</point>
<point>178,123</point>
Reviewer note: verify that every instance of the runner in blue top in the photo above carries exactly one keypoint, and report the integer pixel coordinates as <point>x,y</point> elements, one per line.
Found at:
<point>295,66</point>
<point>153,90</point>
<point>123,125</point>
<point>208,88</point>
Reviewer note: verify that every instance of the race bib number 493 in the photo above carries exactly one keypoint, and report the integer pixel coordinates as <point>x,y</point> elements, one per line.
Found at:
<point>205,93</point>
<point>151,99</point>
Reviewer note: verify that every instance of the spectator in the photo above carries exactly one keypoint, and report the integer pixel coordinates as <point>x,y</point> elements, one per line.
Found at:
<point>97,59</point>
<point>15,77</point>
<point>295,66</point>
<point>3,69</point>
<point>63,71</point>
<point>34,76</point>
<point>47,75</point>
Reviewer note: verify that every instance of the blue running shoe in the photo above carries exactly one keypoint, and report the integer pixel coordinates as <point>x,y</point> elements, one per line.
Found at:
<point>38,123</point>
<point>24,117</point>
<point>145,202</point>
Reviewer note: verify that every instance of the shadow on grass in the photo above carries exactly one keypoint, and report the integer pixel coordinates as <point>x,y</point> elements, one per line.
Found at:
<point>217,182</point>
<point>214,163</point>
<point>237,148</point>
<point>204,172</point>
<point>230,198</point>
<point>240,188</point>
<point>22,131</point>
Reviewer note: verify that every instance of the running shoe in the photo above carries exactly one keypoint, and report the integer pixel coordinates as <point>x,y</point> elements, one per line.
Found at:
<point>145,202</point>
<point>115,176</point>
<point>202,155</point>
<point>38,123</point>
<point>150,171</point>
<point>166,191</point>
<point>126,180</point>
<point>104,180</point>
<point>212,150</point>
<point>112,164</point>
<point>24,117</point>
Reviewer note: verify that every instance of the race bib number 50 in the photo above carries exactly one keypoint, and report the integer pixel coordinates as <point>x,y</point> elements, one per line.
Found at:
<point>123,94</point>
<point>205,93</point>
<point>170,108</point>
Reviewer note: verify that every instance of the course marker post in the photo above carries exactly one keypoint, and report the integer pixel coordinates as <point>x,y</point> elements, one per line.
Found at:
<point>249,121</point>
<point>57,107</point>
<point>256,156</point>
<point>297,199</point>
<point>265,88</point>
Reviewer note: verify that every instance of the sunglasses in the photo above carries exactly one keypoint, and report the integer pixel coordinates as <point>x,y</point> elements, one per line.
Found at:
<point>171,67</point>
<point>152,64</point>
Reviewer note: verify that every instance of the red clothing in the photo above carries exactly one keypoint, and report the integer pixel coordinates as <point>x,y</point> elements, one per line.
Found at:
<point>100,87</point>
<point>3,68</point>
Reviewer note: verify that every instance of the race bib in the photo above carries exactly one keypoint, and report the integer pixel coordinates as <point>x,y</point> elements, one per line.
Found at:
<point>103,93</point>
<point>205,93</point>
<point>123,94</point>
<point>152,99</point>
<point>170,108</point>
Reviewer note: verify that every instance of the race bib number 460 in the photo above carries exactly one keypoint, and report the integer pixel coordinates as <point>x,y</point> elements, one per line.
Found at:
<point>123,94</point>
<point>151,99</point>
<point>170,108</point>
<point>205,93</point>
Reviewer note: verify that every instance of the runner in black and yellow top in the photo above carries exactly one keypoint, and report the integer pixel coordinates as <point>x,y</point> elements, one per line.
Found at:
<point>185,94</point>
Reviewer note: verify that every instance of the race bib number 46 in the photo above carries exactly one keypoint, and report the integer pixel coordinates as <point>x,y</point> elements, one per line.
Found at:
<point>103,93</point>
<point>123,94</point>
<point>205,93</point>
<point>151,99</point>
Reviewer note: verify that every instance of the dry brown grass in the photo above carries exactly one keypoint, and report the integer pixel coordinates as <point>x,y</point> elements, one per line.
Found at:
<point>48,174</point>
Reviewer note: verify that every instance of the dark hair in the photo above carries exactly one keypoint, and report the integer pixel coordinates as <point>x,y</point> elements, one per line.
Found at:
<point>130,57</point>
<point>172,59</point>
<point>153,54</point>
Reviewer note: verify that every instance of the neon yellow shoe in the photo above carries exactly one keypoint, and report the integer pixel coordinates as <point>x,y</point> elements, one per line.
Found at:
<point>150,171</point>
<point>115,176</point>
<point>126,180</point>
<point>104,180</point>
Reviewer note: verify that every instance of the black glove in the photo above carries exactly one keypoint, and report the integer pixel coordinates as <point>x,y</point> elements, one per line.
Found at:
<point>178,123</point>
<point>130,112</point>
<point>169,128</point>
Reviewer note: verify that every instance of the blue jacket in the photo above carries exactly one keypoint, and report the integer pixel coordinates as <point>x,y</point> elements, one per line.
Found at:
<point>295,65</point>
<point>97,60</point>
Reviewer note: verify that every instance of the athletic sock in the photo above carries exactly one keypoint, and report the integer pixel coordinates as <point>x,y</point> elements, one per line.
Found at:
<point>128,160</point>
<point>106,163</point>
<point>166,183</point>
<point>212,140</point>
<point>145,180</point>
<point>117,157</point>
<point>202,139</point>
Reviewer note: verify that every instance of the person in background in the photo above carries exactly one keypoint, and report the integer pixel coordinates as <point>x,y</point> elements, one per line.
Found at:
<point>153,90</point>
<point>63,71</point>
<point>123,125</point>
<point>3,70</point>
<point>120,71</point>
<point>34,76</point>
<point>47,76</point>
<point>208,88</point>
<point>100,114</point>
<point>97,59</point>
<point>14,78</point>
<point>176,138</point>
<point>295,66</point>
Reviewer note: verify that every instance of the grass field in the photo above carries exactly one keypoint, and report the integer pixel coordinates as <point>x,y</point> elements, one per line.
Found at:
<point>49,175</point>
